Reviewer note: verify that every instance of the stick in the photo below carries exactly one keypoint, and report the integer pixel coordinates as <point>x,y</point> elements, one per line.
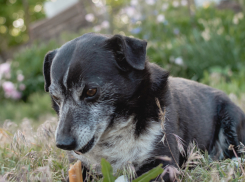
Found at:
<point>75,172</point>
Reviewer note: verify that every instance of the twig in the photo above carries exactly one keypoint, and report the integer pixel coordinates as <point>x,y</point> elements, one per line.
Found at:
<point>231,147</point>
<point>172,153</point>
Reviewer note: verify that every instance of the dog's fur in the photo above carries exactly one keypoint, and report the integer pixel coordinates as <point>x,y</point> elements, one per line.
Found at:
<point>121,121</point>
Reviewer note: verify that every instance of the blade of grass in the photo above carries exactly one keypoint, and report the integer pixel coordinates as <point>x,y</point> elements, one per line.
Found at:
<point>150,174</point>
<point>107,171</point>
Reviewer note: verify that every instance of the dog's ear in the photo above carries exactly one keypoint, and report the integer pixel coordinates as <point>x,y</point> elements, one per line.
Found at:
<point>46,68</point>
<point>128,51</point>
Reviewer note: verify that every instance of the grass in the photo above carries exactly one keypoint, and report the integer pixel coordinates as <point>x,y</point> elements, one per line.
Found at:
<point>28,154</point>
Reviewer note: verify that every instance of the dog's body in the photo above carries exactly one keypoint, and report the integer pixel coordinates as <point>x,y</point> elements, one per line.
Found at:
<point>105,93</point>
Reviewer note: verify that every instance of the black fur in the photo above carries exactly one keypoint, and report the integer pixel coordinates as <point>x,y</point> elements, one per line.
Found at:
<point>194,112</point>
<point>46,68</point>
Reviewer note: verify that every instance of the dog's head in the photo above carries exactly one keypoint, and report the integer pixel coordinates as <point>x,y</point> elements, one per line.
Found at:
<point>88,78</point>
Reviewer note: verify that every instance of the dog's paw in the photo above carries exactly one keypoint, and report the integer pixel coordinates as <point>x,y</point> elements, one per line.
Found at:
<point>122,179</point>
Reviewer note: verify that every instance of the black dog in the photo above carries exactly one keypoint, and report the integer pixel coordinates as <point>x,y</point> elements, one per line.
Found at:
<point>105,93</point>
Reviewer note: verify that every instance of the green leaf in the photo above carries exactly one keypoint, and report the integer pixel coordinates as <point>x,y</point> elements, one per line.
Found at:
<point>150,174</point>
<point>107,171</point>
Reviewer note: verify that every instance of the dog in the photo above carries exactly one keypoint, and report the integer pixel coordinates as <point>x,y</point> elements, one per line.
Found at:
<point>108,97</point>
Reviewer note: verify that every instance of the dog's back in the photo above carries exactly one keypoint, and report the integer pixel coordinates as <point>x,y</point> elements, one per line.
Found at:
<point>206,115</point>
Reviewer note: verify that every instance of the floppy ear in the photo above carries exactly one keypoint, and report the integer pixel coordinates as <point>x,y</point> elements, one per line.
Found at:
<point>46,68</point>
<point>128,51</point>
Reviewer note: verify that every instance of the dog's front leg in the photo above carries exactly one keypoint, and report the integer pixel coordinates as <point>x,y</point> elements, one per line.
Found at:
<point>168,155</point>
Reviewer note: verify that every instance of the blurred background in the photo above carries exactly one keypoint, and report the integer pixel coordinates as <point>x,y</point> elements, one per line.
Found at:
<point>202,40</point>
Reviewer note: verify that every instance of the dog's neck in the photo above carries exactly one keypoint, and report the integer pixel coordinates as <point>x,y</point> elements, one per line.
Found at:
<point>143,104</point>
<point>119,146</point>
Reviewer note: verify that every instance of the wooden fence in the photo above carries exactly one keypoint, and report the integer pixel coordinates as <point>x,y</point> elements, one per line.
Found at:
<point>71,19</point>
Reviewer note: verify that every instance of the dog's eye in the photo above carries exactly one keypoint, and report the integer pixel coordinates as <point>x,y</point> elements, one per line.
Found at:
<point>91,92</point>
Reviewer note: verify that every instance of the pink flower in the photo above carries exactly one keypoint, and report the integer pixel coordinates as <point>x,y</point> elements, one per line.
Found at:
<point>150,2</point>
<point>105,24</point>
<point>184,2</point>
<point>175,4</point>
<point>10,91</point>
<point>8,87</point>
<point>89,17</point>
<point>97,28</point>
<point>20,77</point>
<point>15,95</point>
<point>22,87</point>
<point>130,11</point>
<point>134,2</point>
<point>165,6</point>
<point>179,61</point>
<point>5,70</point>
<point>160,18</point>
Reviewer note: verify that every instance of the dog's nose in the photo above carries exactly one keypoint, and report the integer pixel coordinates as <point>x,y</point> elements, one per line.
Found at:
<point>66,143</point>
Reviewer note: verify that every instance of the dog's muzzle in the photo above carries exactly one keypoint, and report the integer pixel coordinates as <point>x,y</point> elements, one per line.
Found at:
<point>66,143</point>
<point>86,148</point>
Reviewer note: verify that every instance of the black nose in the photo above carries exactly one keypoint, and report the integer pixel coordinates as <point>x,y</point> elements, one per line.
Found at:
<point>66,143</point>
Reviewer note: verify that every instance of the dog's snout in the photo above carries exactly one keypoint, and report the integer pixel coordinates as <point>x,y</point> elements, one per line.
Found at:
<point>66,143</point>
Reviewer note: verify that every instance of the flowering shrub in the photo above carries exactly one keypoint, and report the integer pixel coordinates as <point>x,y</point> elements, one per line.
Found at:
<point>5,70</point>
<point>10,90</point>
<point>22,76</point>
<point>184,39</point>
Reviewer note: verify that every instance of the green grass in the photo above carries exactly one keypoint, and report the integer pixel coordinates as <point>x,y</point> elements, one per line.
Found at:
<point>30,155</point>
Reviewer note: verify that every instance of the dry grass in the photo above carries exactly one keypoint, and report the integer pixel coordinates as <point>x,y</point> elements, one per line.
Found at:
<point>28,154</point>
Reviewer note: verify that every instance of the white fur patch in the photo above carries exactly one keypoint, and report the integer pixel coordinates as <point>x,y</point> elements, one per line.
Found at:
<point>65,77</point>
<point>119,146</point>
<point>97,122</point>
<point>121,179</point>
<point>55,89</point>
